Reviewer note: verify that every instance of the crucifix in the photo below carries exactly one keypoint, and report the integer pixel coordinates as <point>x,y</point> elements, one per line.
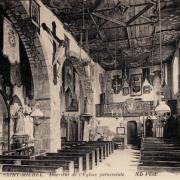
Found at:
<point>58,50</point>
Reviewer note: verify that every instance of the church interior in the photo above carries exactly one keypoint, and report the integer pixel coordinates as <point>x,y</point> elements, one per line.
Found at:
<point>84,82</point>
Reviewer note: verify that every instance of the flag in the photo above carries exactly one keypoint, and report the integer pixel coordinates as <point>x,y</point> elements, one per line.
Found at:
<point>10,42</point>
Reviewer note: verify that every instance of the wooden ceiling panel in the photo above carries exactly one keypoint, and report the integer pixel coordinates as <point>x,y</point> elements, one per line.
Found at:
<point>132,23</point>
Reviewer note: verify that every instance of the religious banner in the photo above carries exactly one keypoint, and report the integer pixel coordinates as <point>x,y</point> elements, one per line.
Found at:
<point>116,84</point>
<point>136,84</point>
<point>146,87</point>
<point>125,88</point>
<point>10,42</point>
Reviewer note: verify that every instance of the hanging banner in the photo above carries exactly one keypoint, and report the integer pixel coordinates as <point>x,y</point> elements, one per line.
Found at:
<point>10,42</point>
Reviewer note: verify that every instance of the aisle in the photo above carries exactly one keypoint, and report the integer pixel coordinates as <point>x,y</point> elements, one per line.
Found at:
<point>121,162</point>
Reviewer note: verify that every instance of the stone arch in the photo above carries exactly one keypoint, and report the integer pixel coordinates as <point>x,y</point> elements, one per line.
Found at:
<point>31,42</point>
<point>29,36</point>
<point>3,119</point>
<point>3,105</point>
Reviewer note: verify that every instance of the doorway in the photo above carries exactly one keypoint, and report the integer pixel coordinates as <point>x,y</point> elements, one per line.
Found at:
<point>132,133</point>
<point>149,126</point>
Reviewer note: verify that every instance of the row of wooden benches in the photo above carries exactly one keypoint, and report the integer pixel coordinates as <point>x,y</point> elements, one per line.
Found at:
<point>159,155</point>
<point>73,157</point>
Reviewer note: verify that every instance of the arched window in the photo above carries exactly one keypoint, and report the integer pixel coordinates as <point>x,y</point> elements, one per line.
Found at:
<point>175,75</point>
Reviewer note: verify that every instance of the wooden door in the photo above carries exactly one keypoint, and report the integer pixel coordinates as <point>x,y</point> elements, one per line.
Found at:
<point>131,132</point>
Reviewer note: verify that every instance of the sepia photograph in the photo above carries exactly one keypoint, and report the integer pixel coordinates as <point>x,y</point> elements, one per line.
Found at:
<point>89,89</point>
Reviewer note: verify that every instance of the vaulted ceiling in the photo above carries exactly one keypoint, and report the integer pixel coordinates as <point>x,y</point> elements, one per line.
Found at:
<point>121,32</point>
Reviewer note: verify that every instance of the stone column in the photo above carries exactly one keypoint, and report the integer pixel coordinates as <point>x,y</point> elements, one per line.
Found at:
<point>86,131</point>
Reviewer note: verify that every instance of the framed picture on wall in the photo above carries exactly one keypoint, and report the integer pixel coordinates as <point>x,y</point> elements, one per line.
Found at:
<point>136,85</point>
<point>35,13</point>
<point>120,130</point>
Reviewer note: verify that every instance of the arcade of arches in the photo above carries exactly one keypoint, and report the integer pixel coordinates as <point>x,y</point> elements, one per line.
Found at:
<point>56,88</point>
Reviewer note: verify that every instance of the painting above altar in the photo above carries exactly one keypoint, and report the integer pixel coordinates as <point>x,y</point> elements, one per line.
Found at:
<point>130,107</point>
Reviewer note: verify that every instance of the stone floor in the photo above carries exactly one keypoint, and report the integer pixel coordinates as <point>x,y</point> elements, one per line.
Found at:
<point>123,163</point>
<point>120,163</point>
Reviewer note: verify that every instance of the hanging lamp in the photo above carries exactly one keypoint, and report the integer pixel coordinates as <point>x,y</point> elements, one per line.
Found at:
<point>116,85</point>
<point>162,107</point>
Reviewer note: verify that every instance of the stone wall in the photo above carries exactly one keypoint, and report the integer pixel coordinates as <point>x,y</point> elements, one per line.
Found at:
<point>39,49</point>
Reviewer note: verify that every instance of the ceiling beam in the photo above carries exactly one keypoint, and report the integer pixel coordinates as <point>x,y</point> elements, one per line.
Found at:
<point>116,27</point>
<point>64,11</point>
<point>146,18</point>
<point>109,19</point>
<point>139,13</point>
<point>96,25</point>
<point>149,47</point>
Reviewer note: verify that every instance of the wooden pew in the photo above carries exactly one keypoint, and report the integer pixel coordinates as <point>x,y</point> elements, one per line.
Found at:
<point>102,149</point>
<point>70,144</point>
<point>67,165</point>
<point>109,144</point>
<point>79,153</point>
<point>160,158</point>
<point>30,168</point>
<point>158,169</point>
<point>98,152</point>
<point>14,157</point>
<point>170,146</point>
<point>161,163</point>
<point>78,161</point>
